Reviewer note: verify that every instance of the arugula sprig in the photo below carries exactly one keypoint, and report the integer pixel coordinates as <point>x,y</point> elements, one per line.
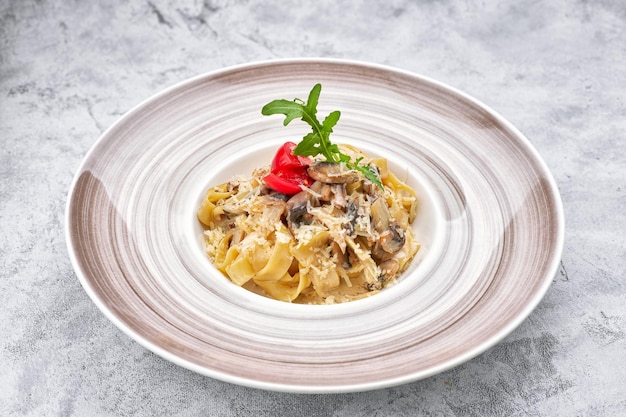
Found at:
<point>317,142</point>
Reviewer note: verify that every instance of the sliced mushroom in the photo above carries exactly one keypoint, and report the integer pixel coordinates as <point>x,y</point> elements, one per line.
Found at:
<point>392,239</point>
<point>319,191</point>
<point>389,243</point>
<point>388,269</point>
<point>352,212</point>
<point>316,187</point>
<point>339,195</point>
<point>297,212</point>
<point>332,173</point>
<point>326,192</point>
<point>380,215</point>
<point>276,195</point>
<point>379,254</point>
<point>298,200</point>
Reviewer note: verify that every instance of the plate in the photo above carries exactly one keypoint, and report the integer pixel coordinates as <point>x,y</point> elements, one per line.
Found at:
<point>490,223</point>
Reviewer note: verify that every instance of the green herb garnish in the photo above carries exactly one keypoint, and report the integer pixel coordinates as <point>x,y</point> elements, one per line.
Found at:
<point>317,142</point>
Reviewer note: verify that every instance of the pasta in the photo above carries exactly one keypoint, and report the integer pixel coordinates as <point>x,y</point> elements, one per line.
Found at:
<point>340,239</point>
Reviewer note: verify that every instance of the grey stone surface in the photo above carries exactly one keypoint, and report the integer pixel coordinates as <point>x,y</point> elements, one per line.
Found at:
<point>69,69</point>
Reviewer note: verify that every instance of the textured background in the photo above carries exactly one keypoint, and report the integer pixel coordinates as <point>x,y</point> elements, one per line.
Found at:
<point>69,69</point>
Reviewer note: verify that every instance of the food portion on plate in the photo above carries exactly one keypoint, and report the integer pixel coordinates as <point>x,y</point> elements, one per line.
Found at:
<point>322,224</point>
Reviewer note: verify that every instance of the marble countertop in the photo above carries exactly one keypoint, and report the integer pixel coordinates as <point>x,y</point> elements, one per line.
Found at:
<point>68,70</point>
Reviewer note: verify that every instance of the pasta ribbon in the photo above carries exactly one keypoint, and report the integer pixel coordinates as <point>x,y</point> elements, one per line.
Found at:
<point>206,213</point>
<point>288,288</point>
<point>277,265</point>
<point>240,270</point>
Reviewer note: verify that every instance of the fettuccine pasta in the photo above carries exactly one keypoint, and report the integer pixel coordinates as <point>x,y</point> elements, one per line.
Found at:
<point>340,239</point>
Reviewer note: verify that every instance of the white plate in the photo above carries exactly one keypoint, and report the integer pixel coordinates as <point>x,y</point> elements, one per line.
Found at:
<point>491,225</point>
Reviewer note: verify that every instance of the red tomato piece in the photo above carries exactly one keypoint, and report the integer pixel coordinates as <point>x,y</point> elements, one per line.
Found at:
<point>288,180</point>
<point>288,171</point>
<point>285,158</point>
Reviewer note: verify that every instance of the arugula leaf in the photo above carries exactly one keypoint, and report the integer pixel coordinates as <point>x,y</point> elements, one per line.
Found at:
<point>316,142</point>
